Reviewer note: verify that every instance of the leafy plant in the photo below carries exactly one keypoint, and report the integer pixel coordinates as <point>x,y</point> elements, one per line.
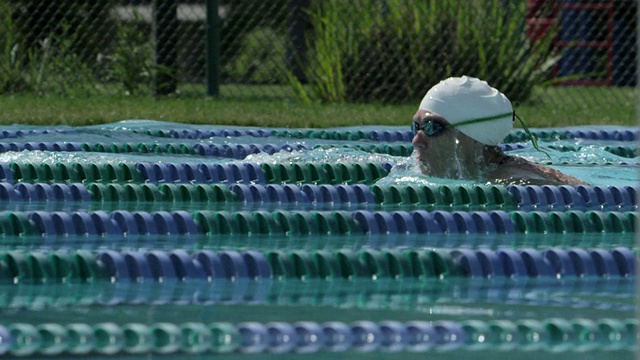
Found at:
<point>504,55</point>
<point>392,51</point>
<point>12,66</point>
<point>58,69</point>
<point>326,51</point>
<point>131,62</point>
<point>261,51</point>
<point>51,68</point>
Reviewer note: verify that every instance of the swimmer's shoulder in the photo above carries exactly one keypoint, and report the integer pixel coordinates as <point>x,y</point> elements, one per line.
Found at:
<point>518,170</point>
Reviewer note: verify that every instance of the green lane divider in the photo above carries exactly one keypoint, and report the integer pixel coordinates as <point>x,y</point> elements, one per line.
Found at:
<point>574,221</point>
<point>518,135</point>
<point>623,151</point>
<point>293,223</point>
<point>124,148</point>
<point>84,267</point>
<point>324,173</point>
<point>555,335</point>
<point>51,267</point>
<point>75,173</point>
<point>463,195</point>
<point>148,192</point>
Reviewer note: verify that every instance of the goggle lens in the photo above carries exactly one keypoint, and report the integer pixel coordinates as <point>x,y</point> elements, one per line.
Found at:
<point>430,127</point>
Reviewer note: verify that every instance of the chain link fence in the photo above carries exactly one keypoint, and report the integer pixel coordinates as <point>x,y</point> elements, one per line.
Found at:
<point>390,51</point>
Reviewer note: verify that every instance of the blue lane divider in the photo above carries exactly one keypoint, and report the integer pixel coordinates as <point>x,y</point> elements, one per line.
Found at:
<point>205,134</point>
<point>512,263</point>
<point>211,264</point>
<point>115,264</point>
<point>537,265</point>
<point>307,193</point>
<point>232,151</point>
<point>138,266</point>
<point>479,263</point>
<point>449,335</point>
<point>390,135</point>
<point>5,340</point>
<point>381,222</point>
<point>6,174</point>
<point>44,192</point>
<point>421,336</point>
<point>241,151</point>
<point>235,151</point>
<point>158,266</point>
<point>118,223</point>
<point>619,135</point>
<point>514,146</point>
<point>367,336</point>
<point>394,336</point>
<point>386,135</point>
<point>582,262</point>
<point>311,337</point>
<point>42,146</point>
<point>361,336</point>
<point>604,262</point>
<point>560,261</point>
<point>626,261</point>
<point>580,197</point>
<point>282,223</point>
<point>246,173</point>
<point>12,134</point>
<point>609,134</point>
<point>281,337</point>
<point>185,266</point>
<point>234,264</point>
<point>247,181</point>
<point>548,263</point>
<point>490,263</point>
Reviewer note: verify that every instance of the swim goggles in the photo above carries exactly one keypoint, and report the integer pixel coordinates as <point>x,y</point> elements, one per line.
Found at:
<point>434,127</point>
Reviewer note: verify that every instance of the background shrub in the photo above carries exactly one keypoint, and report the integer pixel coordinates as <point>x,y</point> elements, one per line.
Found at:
<point>392,51</point>
<point>260,59</point>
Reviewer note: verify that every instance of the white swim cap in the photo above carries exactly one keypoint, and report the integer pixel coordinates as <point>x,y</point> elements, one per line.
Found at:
<point>463,100</point>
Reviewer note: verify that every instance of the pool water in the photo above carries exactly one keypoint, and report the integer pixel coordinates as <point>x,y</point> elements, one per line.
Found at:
<point>147,238</point>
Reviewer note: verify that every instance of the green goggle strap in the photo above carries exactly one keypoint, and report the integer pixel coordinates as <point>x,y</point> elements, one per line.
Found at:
<point>534,139</point>
<point>479,120</point>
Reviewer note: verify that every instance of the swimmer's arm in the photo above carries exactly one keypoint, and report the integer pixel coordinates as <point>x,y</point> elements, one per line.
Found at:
<point>522,172</point>
<point>557,176</point>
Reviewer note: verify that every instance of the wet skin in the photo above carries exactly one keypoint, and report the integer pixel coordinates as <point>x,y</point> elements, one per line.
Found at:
<point>452,154</point>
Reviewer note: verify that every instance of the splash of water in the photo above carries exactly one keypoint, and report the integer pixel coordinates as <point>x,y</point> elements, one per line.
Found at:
<point>457,172</point>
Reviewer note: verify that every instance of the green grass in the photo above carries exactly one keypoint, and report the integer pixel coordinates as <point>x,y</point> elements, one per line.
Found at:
<point>275,107</point>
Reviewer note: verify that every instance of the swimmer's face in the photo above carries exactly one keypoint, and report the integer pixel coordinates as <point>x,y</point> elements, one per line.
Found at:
<point>441,151</point>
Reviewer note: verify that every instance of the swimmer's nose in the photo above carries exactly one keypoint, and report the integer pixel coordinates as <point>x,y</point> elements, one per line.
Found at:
<point>420,140</point>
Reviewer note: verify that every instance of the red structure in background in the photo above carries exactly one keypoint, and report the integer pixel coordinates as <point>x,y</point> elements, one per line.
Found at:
<point>541,18</point>
<point>544,15</point>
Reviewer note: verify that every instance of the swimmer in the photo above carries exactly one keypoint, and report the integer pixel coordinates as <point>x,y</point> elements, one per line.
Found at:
<point>457,131</point>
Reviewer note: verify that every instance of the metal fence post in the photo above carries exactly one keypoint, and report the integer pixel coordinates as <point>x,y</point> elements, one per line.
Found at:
<point>297,50</point>
<point>165,28</point>
<point>213,49</point>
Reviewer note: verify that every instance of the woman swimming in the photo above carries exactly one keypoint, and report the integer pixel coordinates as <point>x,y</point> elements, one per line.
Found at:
<point>457,131</point>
